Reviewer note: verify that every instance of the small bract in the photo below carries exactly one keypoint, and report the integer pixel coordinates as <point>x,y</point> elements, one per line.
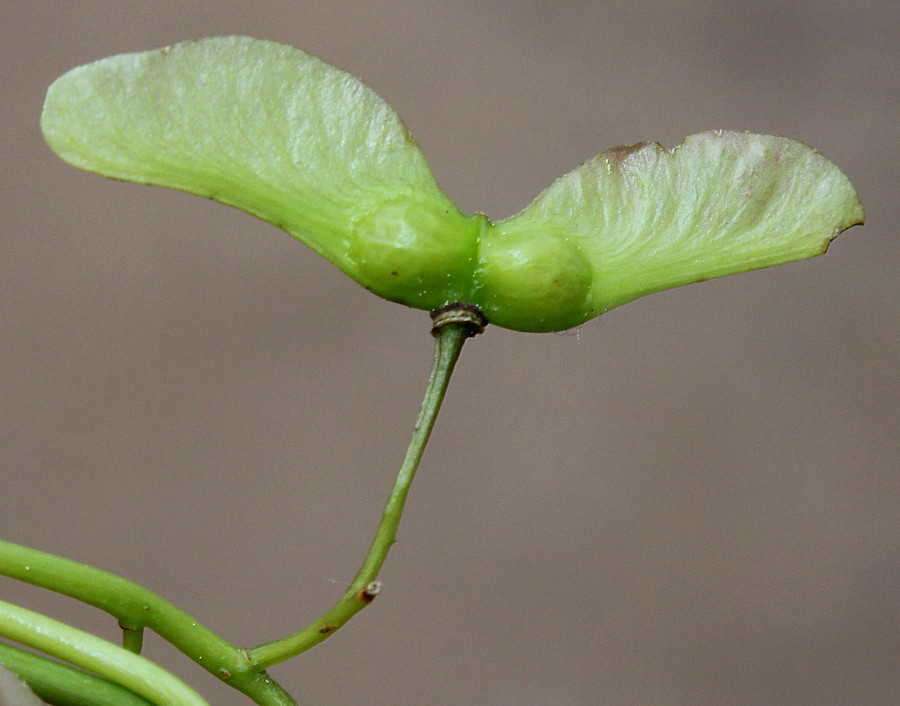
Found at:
<point>309,148</point>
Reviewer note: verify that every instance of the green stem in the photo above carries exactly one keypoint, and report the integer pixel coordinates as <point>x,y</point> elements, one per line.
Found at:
<point>135,607</point>
<point>62,685</point>
<point>449,339</point>
<point>133,639</point>
<point>90,652</point>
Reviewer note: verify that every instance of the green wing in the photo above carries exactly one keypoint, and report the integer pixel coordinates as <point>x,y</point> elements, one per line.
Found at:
<point>647,218</point>
<point>270,130</point>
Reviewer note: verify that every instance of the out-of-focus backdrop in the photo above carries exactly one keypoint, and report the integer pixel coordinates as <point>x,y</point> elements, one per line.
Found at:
<point>693,500</point>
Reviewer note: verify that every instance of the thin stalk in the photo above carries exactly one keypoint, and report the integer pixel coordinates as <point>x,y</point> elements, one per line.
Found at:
<point>449,339</point>
<point>90,652</point>
<point>133,639</point>
<point>137,608</point>
<point>62,685</point>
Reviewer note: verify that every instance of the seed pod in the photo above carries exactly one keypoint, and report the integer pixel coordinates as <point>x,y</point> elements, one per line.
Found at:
<point>415,254</point>
<point>286,137</point>
<point>532,280</point>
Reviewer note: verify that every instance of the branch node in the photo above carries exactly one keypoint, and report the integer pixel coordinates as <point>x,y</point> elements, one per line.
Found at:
<point>470,315</point>
<point>367,594</point>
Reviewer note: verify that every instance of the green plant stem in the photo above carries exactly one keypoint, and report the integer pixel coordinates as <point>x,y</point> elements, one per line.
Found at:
<point>135,607</point>
<point>133,639</point>
<point>97,655</point>
<point>62,685</point>
<point>449,340</point>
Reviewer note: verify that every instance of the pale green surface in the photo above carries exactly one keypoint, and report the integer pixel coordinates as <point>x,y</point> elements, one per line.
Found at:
<point>96,655</point>
<point>271,130</point>
<point>275,132</point>
<point>646,218</point>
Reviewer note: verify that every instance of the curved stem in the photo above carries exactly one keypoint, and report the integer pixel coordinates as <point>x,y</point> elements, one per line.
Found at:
<point>62,685</point>
<point>90,652</point>
<point>136,607</point>
<point>449,339</point>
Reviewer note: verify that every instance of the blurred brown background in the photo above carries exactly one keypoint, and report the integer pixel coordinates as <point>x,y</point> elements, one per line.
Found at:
<point>694,501</point>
